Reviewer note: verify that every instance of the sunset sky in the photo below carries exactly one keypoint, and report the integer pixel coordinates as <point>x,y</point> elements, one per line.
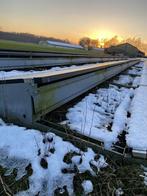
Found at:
<point>74,19</point>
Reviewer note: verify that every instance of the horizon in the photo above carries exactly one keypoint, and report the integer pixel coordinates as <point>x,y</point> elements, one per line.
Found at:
<point>75,19</point>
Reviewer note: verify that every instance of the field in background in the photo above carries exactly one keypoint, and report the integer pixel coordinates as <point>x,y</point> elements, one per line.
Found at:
<point>13,45</point>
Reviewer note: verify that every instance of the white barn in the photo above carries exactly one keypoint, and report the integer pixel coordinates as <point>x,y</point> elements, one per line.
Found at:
<point>61,44</point>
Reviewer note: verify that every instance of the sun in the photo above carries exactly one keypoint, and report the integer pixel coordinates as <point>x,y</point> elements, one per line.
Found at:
<point>102,35</point>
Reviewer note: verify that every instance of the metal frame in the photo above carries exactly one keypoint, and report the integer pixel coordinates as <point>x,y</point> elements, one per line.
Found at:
<point>26,100</point>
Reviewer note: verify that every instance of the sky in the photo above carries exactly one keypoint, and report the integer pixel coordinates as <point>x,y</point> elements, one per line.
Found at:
<point>73,19</point>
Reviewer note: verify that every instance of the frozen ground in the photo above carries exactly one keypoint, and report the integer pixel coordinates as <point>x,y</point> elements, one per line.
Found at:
<point>136,70</point>
<point>87,186</point>
<point>19,147</point>
<point>103,115</point>
<point>133,79</point>
<point>137,127</point>
<point>128,80</point>
<point>124,79</point>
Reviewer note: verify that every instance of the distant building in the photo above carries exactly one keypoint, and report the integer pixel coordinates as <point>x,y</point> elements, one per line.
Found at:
<point>125,49</point>
<point>60,44</point>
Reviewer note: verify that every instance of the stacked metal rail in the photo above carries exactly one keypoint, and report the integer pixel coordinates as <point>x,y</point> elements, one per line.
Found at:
<point>11,59</point>
<point>27,97</point>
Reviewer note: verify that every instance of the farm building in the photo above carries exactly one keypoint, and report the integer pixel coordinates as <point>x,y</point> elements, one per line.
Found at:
<point>125,49</point>
<point>60,44</point>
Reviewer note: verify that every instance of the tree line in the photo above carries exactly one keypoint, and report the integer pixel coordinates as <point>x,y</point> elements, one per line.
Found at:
<point>27,37</point>
<point>88,43</point>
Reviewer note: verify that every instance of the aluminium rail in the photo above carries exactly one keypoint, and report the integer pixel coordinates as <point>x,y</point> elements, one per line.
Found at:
<point>25,98</point>
<point>10,60</point>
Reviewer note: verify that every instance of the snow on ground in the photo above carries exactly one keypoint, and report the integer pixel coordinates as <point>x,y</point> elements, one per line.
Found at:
<point>103,115</point>
<point>124,79</point>
<point>136,81</point>
<point>128,80</point>
<point>144,176</point>
<point>94,115</point>
<point>133,79</point>
<point>119,192</point>
<point>144,75</point>
<point>137,127</point>
<point>45,152</point>
<point>87,159</point>
<point>136,69</point>
<point>87,186</point>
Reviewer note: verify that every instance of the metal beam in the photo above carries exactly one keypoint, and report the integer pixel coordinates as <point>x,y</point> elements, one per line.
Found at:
<point>31,63</point>
<point>26,100</point>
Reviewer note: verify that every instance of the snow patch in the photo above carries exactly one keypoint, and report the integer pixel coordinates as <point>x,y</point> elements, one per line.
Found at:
<point>137,127</point>
<point>87,186</point>
<point>20,146</point>
<point>94,114</point>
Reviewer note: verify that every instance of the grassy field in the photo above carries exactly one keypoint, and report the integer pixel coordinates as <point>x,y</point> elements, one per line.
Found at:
<point>13,45</point>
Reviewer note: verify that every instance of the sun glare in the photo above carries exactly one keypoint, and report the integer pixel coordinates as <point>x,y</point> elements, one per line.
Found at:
<point>102,35</point>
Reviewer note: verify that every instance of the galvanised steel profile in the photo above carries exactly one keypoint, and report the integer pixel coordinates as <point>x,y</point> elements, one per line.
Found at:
<point>10,60</point>
<point>26,98</point>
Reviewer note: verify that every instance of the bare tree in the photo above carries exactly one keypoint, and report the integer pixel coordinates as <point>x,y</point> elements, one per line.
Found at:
<point>111,42</point>
<point>85,42</point>
<point>94,43</point>
<point>88,43</point>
